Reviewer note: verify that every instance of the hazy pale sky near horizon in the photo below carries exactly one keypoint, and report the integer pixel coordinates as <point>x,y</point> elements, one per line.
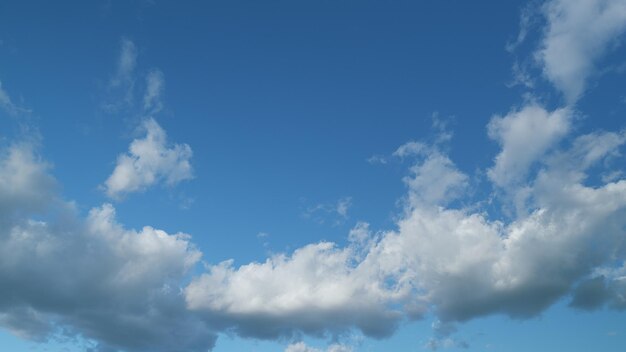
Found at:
<point>313,176</point>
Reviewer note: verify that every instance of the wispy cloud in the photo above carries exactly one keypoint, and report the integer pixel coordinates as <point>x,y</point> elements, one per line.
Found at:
<point>302,347</point>
<point>124,77</point>
<point>8,105</point>
<point>336,212</point>
<point>155,83</point>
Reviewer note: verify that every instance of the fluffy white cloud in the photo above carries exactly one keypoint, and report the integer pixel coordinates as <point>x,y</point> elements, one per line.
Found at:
<point>524,136</point>
<point>24,182</point>
<point>90,277</point>
<point>578,33</point>
<point>319,288</point>
<point>458,262</point>
<point>150,160</point>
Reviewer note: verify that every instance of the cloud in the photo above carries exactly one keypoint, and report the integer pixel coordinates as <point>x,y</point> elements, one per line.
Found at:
<point>124,77</point>
<point>435,180</point>
<point>409,148</point>
<point>457,262</point>
<point>89,277</point>
<point>316,290</point>
<point>528,19</point>
<point>302,347</point>
<point>122,85</point>
<point>150,160</point>
<point>577,35</point>
<point>524,136</point>
<point>338,209</point>
<point>376,159</point>
<point>155,84</point>
<point>8,105</point>
<point>5,102</point>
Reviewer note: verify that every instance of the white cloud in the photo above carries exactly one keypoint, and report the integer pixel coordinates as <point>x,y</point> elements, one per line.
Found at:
<point>5,102</point>
<point>124,76</point>
<point>89,277</point>
<point>435,180</point>
<point>155,84</point>
<point>315,290</point>
<point>24,182</point>
<point>343,205</point>
<point>323,211</point>
<point>150,160</point>
<point>457,262</point>
<point>377,159</point>
<point>524,135</point>
<point>8,105</point>
<point>578,33</point>
<point>409,149</point>
<point>121,86</point>
<point>527,20</point>
<point>302,347</point>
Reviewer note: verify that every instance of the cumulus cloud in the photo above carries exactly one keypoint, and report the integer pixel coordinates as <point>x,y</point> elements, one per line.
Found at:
<point>524,136</point>
<point>459,263</point>
<point>447,254</point>
<point>122,287</point>
<point>578,34</point>
<point>316,290</point>
<point>90,277</point>
<point>150,160</point>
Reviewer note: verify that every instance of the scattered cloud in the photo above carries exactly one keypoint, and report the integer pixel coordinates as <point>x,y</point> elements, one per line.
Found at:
<point>150,160</point>
<point>5,102</point>
<point>528,19</point>
<point>302,347</point>
<point>578,33</point>
<point>132,289</point>
<point>377,159</point>
<point>8,105</point>
<point>124,78</point>
<point>409,149</point>
<point>442,337</point>
<point>456,262</point>
<point>514,131</point>
<point>521,77</point>
<point>155,83</point>
<point>321,212</point>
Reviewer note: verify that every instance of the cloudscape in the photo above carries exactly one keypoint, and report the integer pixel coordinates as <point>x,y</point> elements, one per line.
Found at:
<point>313,176</point>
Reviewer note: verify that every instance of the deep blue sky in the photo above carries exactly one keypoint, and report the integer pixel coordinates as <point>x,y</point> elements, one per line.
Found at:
<point>293,109</point>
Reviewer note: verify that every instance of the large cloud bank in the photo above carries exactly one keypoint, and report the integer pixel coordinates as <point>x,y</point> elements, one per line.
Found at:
<point>559,230</point>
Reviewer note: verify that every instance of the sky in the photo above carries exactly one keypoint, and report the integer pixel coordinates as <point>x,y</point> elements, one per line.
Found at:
<point>312,176</point>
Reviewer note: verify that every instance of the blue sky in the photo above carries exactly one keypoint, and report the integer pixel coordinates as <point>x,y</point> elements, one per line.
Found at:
<point>312,176</point>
